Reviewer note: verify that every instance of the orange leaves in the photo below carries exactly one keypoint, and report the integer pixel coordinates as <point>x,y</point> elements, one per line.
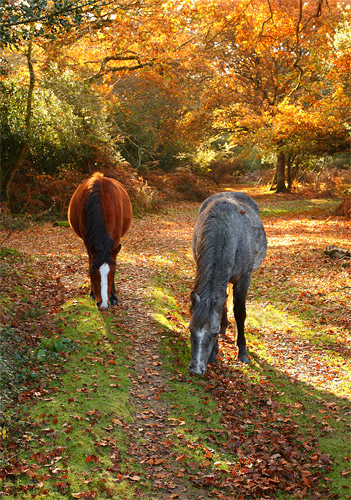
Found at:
<point>85,495</point>
<point>93,458</point>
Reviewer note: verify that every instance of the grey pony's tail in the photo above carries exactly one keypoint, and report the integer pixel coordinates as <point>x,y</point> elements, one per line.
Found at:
<point>230,306</point>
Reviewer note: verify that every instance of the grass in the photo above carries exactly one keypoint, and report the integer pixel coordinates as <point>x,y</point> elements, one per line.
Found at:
<point>15,366</point>
<point>61,223</point>
<point>69,429</point>
<point>317,413</point>
<point>73,433</point>
<point>175,348</point>
<point>324,413</point>
<point>275,207</point>
<point>16,357</point>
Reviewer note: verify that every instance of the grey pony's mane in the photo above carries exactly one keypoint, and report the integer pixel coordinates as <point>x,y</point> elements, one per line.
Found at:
<point>211,276</point>
<point>97,235</point>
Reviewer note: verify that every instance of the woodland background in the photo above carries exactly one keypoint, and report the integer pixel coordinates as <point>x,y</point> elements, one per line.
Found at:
<point>172,97</point>
<point>176,99</point>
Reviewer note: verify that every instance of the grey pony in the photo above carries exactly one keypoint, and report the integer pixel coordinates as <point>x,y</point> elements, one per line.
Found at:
<point>229,242</point>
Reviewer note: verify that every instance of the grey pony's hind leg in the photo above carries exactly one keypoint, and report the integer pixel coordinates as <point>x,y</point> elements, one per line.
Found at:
<point>240,292</point>
<point>222,330</point>
<point>213,356</point>
<point>224,321</point>
<point>227,308</point>
<point>113,297</point>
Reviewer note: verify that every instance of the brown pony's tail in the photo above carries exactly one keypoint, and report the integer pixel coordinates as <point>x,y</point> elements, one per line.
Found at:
<point>98,239</point>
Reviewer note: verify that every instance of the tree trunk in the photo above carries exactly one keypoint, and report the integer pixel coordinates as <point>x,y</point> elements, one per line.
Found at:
<point>289,176</point>
<point>281,187</point>
<point>22,154</point>
<point>295,169</point>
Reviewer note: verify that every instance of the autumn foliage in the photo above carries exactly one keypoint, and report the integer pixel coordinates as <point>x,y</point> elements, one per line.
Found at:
<point>156,82</point>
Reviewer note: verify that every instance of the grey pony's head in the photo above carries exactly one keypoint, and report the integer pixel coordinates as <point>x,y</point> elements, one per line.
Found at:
<point>204,330</point>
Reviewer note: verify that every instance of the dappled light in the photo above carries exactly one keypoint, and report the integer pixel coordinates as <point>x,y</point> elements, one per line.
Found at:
<point>176,101</point>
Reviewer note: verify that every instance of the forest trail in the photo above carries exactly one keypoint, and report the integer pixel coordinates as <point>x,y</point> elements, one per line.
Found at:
<point>291,359</point>
<point>152,432</point>
<point>163,242</point>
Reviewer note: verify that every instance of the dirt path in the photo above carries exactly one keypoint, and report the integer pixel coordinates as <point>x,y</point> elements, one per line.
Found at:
<point>151,435</point>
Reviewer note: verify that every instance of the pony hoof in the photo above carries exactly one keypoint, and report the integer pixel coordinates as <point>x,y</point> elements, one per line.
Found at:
<point>244,358</point>
<point>92,296</point>
<point>113,301</point>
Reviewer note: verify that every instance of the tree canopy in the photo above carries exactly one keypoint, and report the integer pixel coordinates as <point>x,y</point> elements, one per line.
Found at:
<point>156,81</point>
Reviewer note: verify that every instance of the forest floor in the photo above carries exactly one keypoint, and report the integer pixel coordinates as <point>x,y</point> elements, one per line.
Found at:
<point>101,405</point>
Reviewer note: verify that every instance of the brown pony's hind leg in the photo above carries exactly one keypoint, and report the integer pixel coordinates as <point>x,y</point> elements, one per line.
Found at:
<point>91,295</point>
<point>113,297</point>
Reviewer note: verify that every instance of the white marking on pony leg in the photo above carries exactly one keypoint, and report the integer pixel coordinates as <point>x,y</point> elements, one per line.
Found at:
<point>199,358</point>
<point>104,270</point>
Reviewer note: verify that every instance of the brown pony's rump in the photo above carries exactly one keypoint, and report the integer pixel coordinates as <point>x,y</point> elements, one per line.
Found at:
<point>100,212</point>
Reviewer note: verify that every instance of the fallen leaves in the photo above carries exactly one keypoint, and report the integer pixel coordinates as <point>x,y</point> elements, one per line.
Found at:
<point>259,449</point>
<point>87,495</point>
<point>267,439</point>
<point>93,458</point>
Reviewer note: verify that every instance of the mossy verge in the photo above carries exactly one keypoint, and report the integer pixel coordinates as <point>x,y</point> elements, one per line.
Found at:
<point>75,441</point>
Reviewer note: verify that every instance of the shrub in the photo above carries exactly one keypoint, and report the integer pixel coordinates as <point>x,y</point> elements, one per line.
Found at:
<point>188,185</point>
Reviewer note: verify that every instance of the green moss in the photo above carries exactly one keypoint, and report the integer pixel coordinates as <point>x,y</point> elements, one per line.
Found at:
<point>89,397</point>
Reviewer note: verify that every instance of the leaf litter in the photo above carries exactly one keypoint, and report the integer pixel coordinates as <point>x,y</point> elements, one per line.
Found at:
<point>260,449</point>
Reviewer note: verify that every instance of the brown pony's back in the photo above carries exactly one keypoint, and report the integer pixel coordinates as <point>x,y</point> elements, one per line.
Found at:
<point>100,212</point>
<point>115,202</point>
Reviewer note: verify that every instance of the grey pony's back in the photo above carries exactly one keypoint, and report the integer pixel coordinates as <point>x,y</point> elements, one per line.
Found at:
<point>229,222</point>
<point>236,197</point>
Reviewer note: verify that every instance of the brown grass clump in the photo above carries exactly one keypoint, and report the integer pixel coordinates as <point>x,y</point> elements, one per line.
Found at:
<point>345,207</point>
<point>50,194</point>
<point>179,185</point>
<point>38,194</point>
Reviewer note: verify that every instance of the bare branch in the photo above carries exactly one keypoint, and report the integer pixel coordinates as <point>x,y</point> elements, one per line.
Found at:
<point>267,20</point>
<point>115,69</point>
<point>318,12</point>
<point>297,48</point>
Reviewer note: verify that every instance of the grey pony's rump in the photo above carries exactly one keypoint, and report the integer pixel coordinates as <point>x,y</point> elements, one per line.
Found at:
<point>228,242</point>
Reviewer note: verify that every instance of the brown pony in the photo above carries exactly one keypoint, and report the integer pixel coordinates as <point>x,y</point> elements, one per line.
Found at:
<point>100,213</point>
